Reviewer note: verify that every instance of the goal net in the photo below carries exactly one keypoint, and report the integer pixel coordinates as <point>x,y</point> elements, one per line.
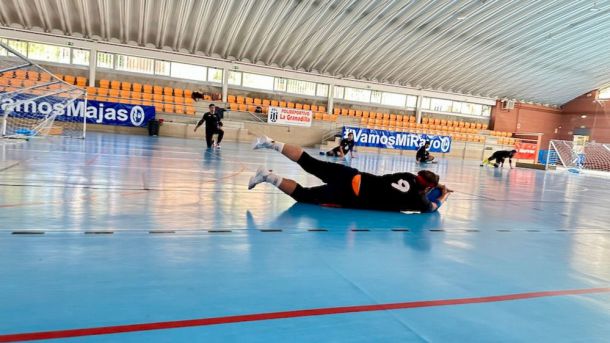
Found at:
<point>589,156</point>
<point>35,103</point>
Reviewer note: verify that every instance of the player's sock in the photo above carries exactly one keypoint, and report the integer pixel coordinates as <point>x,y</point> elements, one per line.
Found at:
<point>264,142</point>
<point>264,175</point>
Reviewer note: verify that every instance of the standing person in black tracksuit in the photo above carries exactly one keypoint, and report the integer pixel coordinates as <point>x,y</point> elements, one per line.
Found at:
<point>213,126</point>
<point>348,187</point>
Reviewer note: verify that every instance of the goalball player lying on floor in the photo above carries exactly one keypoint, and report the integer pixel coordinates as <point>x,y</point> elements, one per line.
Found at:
<point>347,187</point>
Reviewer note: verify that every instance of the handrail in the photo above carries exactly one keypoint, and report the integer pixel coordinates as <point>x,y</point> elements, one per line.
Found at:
<point>256,117</point>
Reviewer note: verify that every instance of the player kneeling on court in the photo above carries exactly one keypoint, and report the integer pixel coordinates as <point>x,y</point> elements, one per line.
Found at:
<point>423,155</point>
<point>347,187</point>
<point>499,156</point>
<point>213,124</point>
<point>346,145</point>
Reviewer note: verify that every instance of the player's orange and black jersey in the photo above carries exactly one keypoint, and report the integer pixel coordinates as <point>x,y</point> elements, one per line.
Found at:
<point>392,192</point>
<point>348,187</point>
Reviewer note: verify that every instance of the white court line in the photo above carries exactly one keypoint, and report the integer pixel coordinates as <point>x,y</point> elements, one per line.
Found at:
<point>178,149</point>
<point>99,166</point>
<point>137,156</point>
<point>4,165</point>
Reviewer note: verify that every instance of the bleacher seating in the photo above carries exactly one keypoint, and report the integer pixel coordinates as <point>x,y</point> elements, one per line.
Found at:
<point>241,103</point>
<point>179,101</point>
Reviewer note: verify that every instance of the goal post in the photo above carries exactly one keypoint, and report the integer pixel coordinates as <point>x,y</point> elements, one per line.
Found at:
<point>578,157</point>
<point>36,103</point>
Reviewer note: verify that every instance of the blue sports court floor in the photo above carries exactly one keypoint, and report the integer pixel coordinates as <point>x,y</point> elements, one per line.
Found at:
<point>136,239</point>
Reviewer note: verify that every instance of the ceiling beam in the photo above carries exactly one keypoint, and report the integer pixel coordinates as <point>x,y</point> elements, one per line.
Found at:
<point>301,12</point>
<point>527,44</point>
<point>217,33</point>
<point>278,16</point>
<point>362,25</point>
<point>3,17</point>
<point>43,15</point>
<point>122,20</point>
<point>237,25</point>
<point>23,15</point>
<point>143,25</point>
<point>427,20</point>
<point>203,14</point>
<point>310,49</point>
<point>328,44</point>
<point>186,9</point>
<point>257,21</point>
<point>379,33</point>
<point>472,48</point>
<point>65,17</point>
<point>164,15</point>
<point>101,10</point>
<point>83,16</point>
<point>306,31</point>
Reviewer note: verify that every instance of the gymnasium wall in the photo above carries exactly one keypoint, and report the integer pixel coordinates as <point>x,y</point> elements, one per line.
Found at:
<point>526,118</point>
<point>597,117</point>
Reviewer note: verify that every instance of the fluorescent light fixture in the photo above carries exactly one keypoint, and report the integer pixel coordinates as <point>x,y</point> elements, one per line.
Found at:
<point>594,8</point>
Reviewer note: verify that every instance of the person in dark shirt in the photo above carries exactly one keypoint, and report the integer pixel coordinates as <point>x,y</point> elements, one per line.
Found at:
<point>499,156</point>
<point>346,145</point>
<point>423,156</point>
<point>213,126</point>
<point>350,188</point>
<point>197,96</point>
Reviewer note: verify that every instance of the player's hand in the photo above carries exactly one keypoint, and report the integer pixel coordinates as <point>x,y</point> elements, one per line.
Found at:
<point>195,130</point>
<point>444,189</point>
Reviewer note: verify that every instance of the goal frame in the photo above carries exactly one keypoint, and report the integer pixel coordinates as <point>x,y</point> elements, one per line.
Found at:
<point>66,87</point>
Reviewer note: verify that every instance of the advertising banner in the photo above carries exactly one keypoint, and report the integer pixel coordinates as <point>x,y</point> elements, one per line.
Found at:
<point>97,112</point>
<point>525,151</point>
<point>289,116</point>
<point>397,140</point>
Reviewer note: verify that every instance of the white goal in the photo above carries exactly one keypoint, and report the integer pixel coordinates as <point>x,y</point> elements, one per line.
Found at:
<point>35,103</point>
<point>589,156</point>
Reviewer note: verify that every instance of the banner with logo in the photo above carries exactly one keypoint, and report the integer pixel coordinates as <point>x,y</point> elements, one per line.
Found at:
<point>289,116</point>
<point>113,113</point>
<point>98,112</point>
<point>525,151</point>
<point>397,140</point>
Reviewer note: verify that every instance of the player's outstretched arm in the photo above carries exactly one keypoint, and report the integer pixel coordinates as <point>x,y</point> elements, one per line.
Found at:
<point>441,200</point>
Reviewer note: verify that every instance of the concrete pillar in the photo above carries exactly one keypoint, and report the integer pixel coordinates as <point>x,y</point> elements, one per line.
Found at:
<point>420,98</point>
<point>331,93</point>
<point>92,66</point>
<point>225,85</point>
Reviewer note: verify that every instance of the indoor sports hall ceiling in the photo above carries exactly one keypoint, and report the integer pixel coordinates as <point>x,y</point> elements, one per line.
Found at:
<point>547,51</point>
